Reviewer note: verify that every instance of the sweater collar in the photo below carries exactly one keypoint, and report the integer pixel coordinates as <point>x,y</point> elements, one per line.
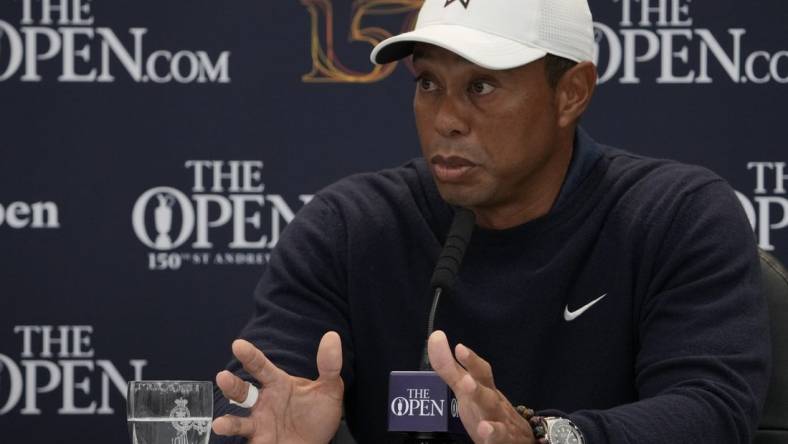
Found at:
<point>585,153</point>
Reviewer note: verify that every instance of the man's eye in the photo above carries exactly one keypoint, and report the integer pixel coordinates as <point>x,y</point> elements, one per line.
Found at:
<point>481,88</point>
<point>425,84</point>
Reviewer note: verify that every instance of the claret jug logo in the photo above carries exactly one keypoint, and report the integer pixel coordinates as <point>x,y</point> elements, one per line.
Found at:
<point>61,36</point>
<point>649,33</point>
<point>227,201</point>
<point>183,424</point>
<point>59,362</point>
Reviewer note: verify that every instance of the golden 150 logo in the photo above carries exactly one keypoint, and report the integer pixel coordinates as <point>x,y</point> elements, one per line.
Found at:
<point>326,66</point>
<point>661,33</point>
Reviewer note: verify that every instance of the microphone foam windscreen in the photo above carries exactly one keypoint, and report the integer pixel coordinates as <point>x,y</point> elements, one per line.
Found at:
<point>453,249</point>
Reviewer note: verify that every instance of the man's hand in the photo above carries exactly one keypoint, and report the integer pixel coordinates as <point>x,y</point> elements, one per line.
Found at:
<point>485,412</point>
<point>289,409</point>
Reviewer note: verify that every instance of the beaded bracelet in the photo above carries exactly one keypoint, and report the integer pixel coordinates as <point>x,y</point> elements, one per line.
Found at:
<point>525,412</point>
<point>535,422</point>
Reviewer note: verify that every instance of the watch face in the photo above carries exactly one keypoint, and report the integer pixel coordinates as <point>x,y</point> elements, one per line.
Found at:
<point>564,432</point>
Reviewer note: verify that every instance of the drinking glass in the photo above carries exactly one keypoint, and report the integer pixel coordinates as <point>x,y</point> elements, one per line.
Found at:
<point>169,412</point>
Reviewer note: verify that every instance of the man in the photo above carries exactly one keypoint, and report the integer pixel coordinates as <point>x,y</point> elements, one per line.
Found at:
<point>613,290</point>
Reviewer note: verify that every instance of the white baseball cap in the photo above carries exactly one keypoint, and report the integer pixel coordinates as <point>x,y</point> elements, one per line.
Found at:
<point>498,34</point>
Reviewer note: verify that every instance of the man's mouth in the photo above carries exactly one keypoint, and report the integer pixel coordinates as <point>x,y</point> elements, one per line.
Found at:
<point>451,168</point>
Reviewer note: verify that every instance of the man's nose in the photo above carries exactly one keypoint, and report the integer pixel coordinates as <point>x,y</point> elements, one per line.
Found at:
<point>452,118</point>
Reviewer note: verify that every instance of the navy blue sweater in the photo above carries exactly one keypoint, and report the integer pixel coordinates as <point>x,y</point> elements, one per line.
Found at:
<point>677,351</point>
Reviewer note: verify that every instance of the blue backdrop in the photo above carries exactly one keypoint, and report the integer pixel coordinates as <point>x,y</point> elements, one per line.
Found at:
<point>151,153</point>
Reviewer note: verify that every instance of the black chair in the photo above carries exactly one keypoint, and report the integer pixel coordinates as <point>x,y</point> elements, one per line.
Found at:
<point>773,428</point>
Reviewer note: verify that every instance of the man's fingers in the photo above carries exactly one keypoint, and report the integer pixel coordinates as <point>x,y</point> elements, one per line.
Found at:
<point>483,391</point>
<point>486,400</point>
<point>442,360</point>
<point>233,387</point>
<point>255,362</point>
<point>480,369</point>
<point>229,425</point>
<point>329,356</point>
<point>492,432</point>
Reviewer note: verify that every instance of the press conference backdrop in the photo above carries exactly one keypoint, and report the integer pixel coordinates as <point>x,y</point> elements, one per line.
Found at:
<point>153,151</point>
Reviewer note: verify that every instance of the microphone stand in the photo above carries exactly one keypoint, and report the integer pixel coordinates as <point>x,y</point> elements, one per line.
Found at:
<point>443,278</point>
<point>429,437</point>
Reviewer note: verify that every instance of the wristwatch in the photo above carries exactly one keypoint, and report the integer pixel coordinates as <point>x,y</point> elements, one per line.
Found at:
<point>556,430</point>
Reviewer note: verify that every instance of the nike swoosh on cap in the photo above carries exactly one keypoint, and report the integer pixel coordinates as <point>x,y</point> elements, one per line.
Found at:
<point>572,315</point>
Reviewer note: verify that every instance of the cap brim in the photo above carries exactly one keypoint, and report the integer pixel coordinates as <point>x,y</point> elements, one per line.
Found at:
<point>486,50</point>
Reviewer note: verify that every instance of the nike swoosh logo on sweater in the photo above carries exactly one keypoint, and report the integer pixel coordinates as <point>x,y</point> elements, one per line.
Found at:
<point>572,315</point>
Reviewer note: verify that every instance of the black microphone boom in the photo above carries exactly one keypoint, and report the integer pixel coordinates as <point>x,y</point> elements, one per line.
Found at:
<point>447,267</point>
<point>443,279</point>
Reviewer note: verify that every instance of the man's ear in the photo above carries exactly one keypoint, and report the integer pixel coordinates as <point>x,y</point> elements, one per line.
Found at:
<point>573,93</point>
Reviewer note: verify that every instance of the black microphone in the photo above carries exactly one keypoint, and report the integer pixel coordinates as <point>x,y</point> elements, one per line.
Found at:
<point>420,402</point>
<point>448,265</point>
<point>453,250</point>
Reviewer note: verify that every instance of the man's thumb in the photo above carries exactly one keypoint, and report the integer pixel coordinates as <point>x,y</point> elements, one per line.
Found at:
<point>329,356</point>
